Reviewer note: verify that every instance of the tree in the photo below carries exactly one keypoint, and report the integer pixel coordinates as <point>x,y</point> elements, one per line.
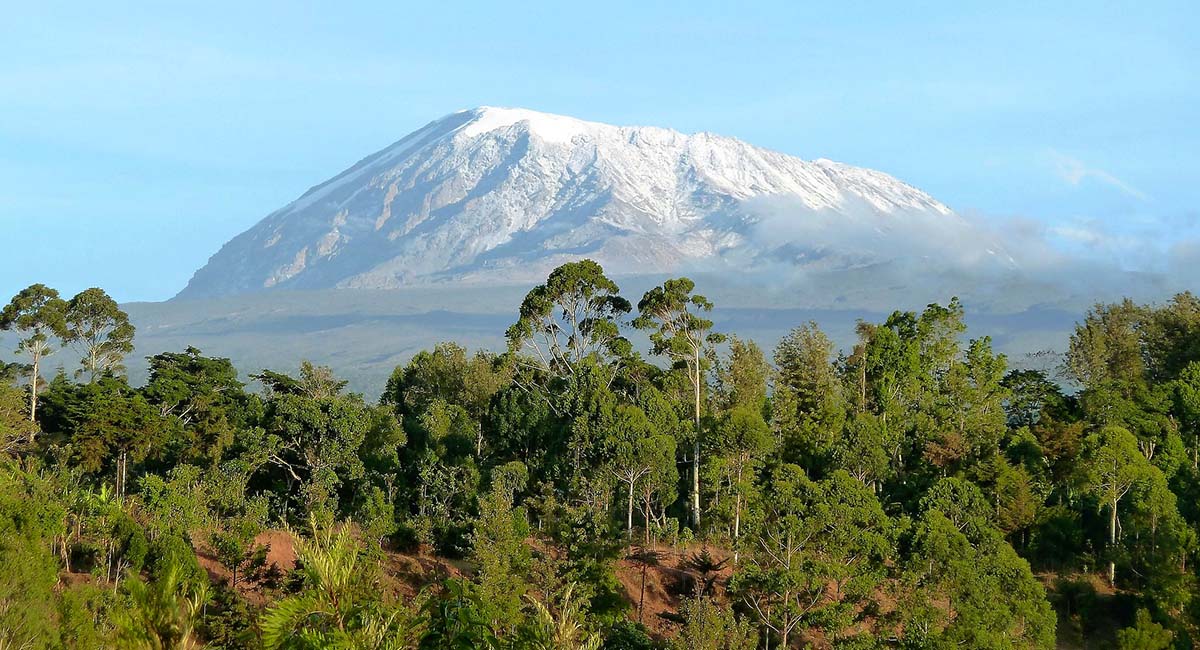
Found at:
<point>203,399</point>
<point>447,374</point>
<point>808,409</point>
<point>1030,392</point>
<point>743,438</point>
<point>37,313</point>
<point>637,453</point>
<point>455,620</point>
<point>810,535</point>
<point>1113,466</point>
<point>742,380</point>
<point>672,314</point>
<point>1144,635</point>
<point>14,425</point>
<point>234,542</point>
<point>969,589</point>
<point>499,550</point>
<point>573,316</point>
<point>707,625</point>
<point>113,422</point>
<point>98,325</point>
<point>564,630</point>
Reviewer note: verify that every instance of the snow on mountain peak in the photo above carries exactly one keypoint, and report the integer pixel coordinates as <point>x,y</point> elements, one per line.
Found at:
<point>496,194</point>
<point>552,128</point>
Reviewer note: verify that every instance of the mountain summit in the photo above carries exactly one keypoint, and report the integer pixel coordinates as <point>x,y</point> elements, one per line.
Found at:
<point>503,194</point>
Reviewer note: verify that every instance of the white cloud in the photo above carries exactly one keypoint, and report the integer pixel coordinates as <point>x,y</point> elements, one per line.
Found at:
<point>1075,171</point>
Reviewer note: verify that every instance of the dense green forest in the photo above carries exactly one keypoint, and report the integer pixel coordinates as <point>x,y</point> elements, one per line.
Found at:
<point>576,492</point>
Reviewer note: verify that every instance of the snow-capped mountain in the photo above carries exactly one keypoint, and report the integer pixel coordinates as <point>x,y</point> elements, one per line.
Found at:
<point>499,195</point>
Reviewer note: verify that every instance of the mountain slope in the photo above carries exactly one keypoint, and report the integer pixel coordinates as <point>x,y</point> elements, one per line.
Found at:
<point>502,195</point>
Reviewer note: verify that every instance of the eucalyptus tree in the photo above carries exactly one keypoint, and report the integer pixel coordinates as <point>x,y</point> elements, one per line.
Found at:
<point>639,455</point>
<point>672,314</point>
<point>1113,466</point>
<point>102,331</point>
<point>38,315</point>
<point>574,316</point>
<point>743,438</point>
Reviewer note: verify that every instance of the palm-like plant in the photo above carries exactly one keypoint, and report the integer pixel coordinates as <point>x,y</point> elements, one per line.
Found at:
<point>330,612</point>
<point>562,632</point>
<point>162,614</point>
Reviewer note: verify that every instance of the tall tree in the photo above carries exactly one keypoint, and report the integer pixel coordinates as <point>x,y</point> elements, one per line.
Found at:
<point>637,454</point>
<point>743,438</point>
<point>672,314</point>
<point>109,424</point>
<point>97,325</point>
<point>571,317</point>
<point>37,313</point>
<point>808,407</point>
<point>498,547</point>
<point>1113,466</point>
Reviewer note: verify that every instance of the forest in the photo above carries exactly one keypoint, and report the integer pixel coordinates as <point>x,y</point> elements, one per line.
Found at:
<point>622,476</point>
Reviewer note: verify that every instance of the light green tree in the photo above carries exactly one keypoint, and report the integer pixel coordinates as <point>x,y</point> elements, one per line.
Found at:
<point>338,607</point>
<point>1144,635</point>
<point>499,550</point>
<point>1113,466</point>
<point>163,614</point>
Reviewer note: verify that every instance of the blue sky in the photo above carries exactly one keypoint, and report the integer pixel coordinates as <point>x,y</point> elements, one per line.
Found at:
<point>136,138</point>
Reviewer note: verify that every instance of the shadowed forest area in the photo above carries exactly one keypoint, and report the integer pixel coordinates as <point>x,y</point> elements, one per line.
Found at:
<point>573,492</point>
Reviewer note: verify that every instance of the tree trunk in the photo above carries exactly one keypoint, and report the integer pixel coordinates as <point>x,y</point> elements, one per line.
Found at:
<point>629,514</point>
<point>646,532</point>
<point>33,387</point>
<point>1112,544</point>
<point>737,527</point>
<point>122,462</point>
<point>696,450</point>
<point>642,598</point>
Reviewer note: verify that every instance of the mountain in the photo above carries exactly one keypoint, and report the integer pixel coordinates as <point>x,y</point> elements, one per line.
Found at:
<point>499,195</point>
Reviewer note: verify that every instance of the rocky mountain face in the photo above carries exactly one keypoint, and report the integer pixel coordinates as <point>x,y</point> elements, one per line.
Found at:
<point>498,195</point>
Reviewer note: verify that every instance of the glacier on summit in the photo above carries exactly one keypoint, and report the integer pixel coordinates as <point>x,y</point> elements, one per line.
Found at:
<point>500,195</point>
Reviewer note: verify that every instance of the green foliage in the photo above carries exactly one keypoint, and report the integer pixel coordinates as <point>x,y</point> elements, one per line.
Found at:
<point>14,419</point>
<point>897,495</point>
<point>499,550</point>
<point>28,572</point>
<point>706,625</point>
<point>565,628</point>
<point>336,607</point>
<point>1144,635</point>
<point>455,620</point>
<point>573,316</point>
<point>993,599</point>
<point>98,326</point>
<point>38,315</point>
<point>161,615</point>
